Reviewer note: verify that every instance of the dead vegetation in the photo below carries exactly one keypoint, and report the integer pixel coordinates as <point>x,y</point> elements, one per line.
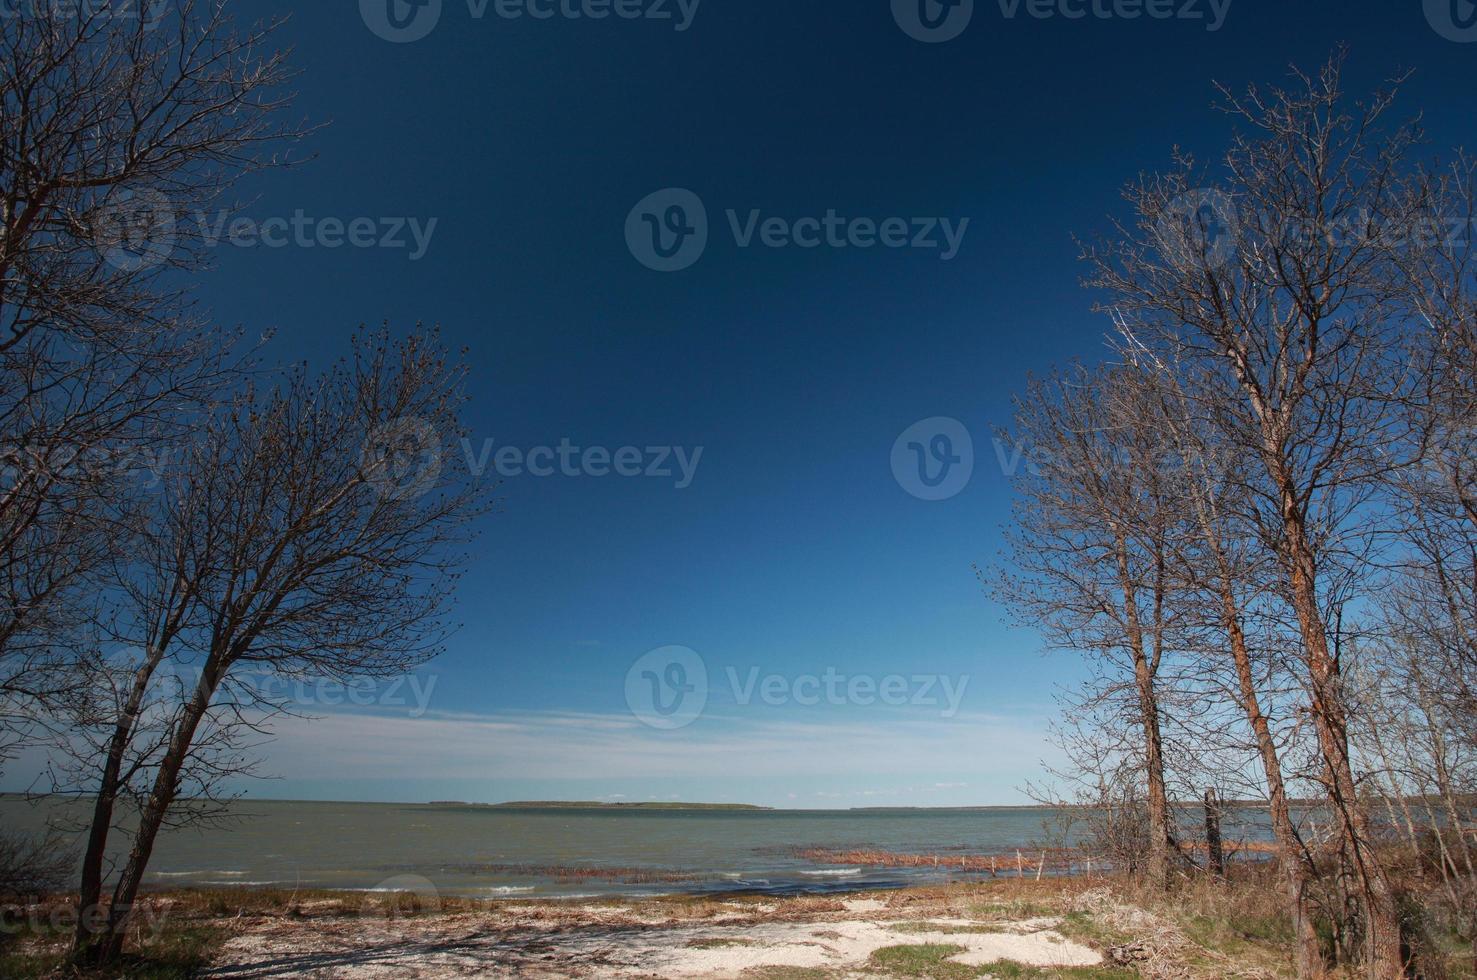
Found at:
<point>1201,931</point>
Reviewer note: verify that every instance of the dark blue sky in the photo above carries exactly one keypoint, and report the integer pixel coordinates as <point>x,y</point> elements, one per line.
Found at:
<point>794,549</point>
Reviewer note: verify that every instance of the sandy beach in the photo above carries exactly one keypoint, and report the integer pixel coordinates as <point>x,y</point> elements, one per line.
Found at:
<point>1064,929</point>
<point>733,938</point>
<point>1014,929</point>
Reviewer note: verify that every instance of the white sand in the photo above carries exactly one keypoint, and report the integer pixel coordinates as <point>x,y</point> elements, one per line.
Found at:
<point>844,944</point>
<point>483,945</point>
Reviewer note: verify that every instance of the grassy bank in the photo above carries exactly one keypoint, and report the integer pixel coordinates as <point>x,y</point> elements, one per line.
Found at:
<point>1203,930</point>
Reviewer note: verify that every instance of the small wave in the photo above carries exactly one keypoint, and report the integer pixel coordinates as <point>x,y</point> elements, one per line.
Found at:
<point>833,872</point>
<point>509,889</point>
<point>181,874</point>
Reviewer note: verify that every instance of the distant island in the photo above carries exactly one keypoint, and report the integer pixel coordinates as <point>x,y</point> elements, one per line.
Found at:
<point>593,805</point>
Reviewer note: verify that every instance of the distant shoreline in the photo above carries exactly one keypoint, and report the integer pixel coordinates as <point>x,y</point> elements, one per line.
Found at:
<point>594,805</point>
<point>11,795</point>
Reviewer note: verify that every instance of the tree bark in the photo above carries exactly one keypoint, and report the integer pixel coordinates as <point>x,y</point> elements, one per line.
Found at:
<point>1215,858</point>
<point>1291,856</point>
<point>109,945</point>
<point>1157,860</point>
<point>90,889</point>
<point>1157,869</point>
<point>1383,959</point>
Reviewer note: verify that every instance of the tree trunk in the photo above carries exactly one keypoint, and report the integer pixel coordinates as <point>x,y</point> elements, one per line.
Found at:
<point>1157,869</point>
<point>1215,854</point>
<point>108,945</point>
<point>1383,960</point>
<point>90,889</point>
<point>1330,721</point>
<point>1293,860</point>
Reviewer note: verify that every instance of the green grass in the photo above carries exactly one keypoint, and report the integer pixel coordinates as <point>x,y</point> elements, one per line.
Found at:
<point>927,960</point>
<point>1011,911</point>
<point>175,953</point>
<point>1461,957</point>
<point>1007,970</point>
<point>931,961</point>
<point>942,927</point>
<point>1087,929</point>
<point>1235,935</point>
<point>719,942</point>
<point>24,966</point>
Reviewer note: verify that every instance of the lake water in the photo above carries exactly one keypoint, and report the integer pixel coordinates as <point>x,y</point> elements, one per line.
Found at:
<point>481,851</point>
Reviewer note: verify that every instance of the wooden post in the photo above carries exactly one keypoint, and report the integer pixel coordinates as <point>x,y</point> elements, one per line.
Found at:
<point>1217,855</point>
<point>1041,867</point>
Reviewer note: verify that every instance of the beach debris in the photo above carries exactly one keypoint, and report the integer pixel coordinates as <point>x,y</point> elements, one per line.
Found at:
<point>1061,860</point>
<point>1128,954</point>
<point>668,939</point>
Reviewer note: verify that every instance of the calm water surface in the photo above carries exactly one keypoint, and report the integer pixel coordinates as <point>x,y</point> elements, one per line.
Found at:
<point>481,851</point>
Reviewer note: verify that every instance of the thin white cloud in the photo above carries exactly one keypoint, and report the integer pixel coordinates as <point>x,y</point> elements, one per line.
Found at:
<point>756,748</point>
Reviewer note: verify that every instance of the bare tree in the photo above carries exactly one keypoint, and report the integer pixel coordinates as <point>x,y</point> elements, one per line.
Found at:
<point>1088,558</point>
<point>1414,731</point>
<point>310,531</point>
<point>31,866</point>
<point>112,123</point>
<point>1418,717</point>
<point>1098,794</point>
<point>1302,320</point>
<point>1436,585</point>
<point>1227,578</point>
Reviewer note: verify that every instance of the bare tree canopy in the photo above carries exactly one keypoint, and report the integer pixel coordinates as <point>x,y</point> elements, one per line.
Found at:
<point>311,530</point>
<point>1271,485</point>
<point>296,524</point>
<point>109,127</point>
